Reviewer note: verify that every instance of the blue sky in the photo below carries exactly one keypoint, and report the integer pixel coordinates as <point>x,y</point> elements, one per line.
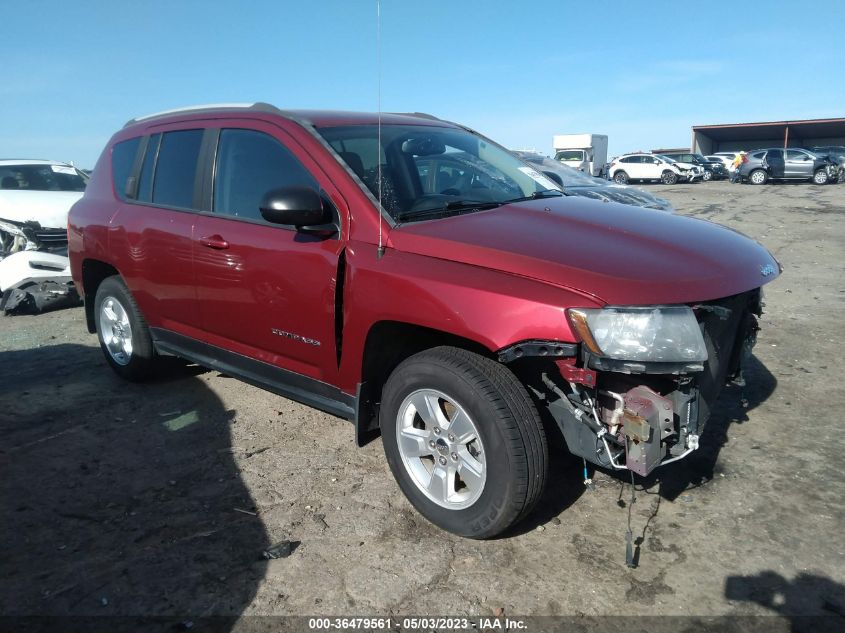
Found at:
<point>641,72</point>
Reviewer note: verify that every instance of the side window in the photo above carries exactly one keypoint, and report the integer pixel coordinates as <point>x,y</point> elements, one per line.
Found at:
<point>792,154</point>
<point>122,159</point>
<point>176,168</point>
<point>145,187</point>
<point>774,154</point>
<point>249,164</point>
<point>630,159</point>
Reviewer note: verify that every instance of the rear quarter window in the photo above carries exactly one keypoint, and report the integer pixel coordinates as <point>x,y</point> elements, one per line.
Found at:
<point>122,159</point>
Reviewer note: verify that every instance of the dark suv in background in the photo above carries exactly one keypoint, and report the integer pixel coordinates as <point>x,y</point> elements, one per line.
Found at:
<point>713,170</point>
<point>786,164</point>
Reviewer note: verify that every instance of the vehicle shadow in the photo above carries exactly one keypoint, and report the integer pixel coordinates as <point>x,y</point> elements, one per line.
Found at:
<point>120,499</point>
<point>811,603</point>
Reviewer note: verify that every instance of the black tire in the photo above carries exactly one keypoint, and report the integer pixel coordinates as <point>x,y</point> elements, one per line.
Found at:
<point>668,177</point>
<point>139,363</point>
<point>620,177</point>
<point>758,177</point>
<point>820,177</point>
<point>507,422</point>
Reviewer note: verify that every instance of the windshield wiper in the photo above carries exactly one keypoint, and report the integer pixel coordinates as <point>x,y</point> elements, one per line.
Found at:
<point>453,207</point>
<point>545,193</point>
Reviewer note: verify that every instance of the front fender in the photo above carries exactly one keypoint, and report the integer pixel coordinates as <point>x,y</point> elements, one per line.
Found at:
<point>491,308</point>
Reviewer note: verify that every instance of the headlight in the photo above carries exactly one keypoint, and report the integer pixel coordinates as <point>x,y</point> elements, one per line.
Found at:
<point>648,334</point>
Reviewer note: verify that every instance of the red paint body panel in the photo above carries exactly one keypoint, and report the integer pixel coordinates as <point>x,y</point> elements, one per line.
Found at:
<point>495,277</point>
<point>622,255</point>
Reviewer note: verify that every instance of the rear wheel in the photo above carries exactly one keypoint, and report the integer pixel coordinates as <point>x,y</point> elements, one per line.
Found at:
<point>122,331</point>
<point>620,177</point>
<point>463,440</point>
<point>668,177</point>
<point>820,177</point>
<point>758,177</point>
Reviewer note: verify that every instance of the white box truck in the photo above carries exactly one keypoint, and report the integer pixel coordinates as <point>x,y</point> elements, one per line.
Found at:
<point>585,152</point>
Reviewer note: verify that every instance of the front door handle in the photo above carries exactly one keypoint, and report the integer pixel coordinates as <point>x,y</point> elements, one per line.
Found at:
<point>214,241</point>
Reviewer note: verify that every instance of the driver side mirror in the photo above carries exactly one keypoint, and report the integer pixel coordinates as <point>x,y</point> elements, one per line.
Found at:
<point>301,207</point>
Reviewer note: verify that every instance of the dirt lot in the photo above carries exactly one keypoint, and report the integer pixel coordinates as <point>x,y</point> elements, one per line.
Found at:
<point>159,499</point>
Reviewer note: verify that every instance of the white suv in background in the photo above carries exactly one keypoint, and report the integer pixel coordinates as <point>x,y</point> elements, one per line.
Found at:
<point>643,166</point>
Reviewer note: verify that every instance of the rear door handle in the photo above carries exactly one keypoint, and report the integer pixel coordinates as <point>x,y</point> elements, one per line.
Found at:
<point>214,241</point>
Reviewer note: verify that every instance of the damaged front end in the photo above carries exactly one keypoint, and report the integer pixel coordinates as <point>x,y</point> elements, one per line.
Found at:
<point>34,268</point>
<point>16,237</point>
<point>637,392</point>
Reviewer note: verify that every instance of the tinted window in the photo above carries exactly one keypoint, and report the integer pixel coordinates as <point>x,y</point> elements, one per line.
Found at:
<point>249,164</point>
<point>176,168</point>
<point>774,154</point>
<point>145,188</point>
<point>758,155</point>
<point>122,158</point>
<point>792,154</point>
<point>630,159</point>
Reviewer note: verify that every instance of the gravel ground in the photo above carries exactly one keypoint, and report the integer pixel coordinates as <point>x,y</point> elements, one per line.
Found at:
<point>159,499</point>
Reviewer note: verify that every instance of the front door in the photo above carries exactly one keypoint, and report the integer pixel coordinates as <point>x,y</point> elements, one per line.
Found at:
<point>798,164</point>
<point>265,291</point>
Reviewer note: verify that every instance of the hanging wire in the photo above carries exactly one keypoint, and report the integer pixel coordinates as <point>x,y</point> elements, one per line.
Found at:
<point>629,535</point>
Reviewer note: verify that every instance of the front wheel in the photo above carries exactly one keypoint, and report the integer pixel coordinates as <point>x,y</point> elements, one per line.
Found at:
<point>708,176</point>
<point>820,177</point>
<point>669,177</point>
<point>463,440</point>
<point>122,331</point>
<point>620,177</point>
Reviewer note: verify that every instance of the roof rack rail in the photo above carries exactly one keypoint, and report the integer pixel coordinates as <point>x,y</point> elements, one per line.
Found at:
<point>258,106</point>
<point>421,115</point>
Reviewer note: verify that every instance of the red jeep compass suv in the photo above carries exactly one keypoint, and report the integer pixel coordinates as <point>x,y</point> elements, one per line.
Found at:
<point>414,277</point>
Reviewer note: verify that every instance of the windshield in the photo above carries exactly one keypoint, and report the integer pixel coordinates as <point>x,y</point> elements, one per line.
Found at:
<point>42,178</point>
<point>424,171</point>
<point>570,154</point>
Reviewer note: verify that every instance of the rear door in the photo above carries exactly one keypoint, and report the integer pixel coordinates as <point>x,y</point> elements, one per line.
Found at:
<point>632,166</point>
<point>265,291</point>
<point>153,230</point>
<point>776,164</point>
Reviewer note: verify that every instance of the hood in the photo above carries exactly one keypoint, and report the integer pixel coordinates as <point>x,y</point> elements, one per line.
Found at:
<point>48,208</point>
<point>620,254</point>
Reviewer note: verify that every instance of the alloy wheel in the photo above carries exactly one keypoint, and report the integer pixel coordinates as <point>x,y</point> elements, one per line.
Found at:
<point>116,330</point>
<point>441,449</point>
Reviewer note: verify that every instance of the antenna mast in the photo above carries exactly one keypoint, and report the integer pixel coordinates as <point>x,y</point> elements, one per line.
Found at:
<point>380,251</point>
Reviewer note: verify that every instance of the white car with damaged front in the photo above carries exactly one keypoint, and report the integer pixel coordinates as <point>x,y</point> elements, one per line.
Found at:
<point>35,197</point>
